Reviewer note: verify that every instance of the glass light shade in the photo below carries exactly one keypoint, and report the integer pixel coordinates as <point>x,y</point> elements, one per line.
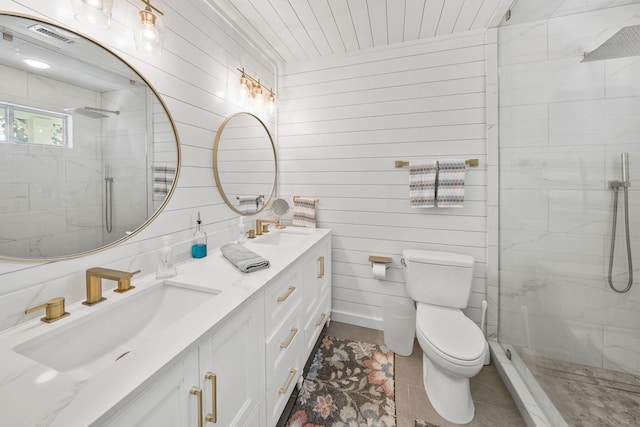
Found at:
<point>96,13</point>
<point>148,32</point>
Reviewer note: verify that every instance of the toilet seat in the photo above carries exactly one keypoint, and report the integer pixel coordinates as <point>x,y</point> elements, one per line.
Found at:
<point>450,334</point>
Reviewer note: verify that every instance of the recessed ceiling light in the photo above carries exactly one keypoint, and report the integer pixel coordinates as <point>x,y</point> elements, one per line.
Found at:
<point>37,64</point>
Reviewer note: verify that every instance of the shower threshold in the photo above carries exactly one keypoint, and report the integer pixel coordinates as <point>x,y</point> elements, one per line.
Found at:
<point>538,410</point>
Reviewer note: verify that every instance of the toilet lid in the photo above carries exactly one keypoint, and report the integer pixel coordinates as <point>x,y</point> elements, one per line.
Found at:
<point>450,332</point>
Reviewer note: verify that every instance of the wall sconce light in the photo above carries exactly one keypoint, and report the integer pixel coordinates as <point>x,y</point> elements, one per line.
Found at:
<point>96,13</point>
<point>148,32</point>
<point>252,88</point>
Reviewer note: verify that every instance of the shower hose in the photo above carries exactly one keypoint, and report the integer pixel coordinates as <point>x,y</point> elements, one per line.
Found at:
<point>108,205</point>
<point>613,238</point>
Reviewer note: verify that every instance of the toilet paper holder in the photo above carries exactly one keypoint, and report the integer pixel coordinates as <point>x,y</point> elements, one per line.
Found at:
<point>380,259</point>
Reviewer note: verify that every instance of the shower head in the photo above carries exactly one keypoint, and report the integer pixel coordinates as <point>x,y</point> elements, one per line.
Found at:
<point>91,112</point>
<point>622,44</point>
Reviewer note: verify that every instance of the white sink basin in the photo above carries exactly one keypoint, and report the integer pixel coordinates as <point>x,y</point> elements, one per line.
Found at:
<point>96,341</point>
<point>282,237</point>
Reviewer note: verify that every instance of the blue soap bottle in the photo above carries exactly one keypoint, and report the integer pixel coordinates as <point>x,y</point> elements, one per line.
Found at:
<point>199,246</point>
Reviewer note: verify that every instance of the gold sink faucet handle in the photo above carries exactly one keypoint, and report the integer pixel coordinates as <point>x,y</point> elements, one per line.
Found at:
<point>94,282</point>
<point>54,310</point>
<point>262,227</point>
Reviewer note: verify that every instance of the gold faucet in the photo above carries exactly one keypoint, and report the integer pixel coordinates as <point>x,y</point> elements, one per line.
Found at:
<point>94,283</point>
<point>54,310</point>
<point>262,225</point>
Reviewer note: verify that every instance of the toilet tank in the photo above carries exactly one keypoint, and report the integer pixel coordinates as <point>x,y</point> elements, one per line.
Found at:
<point>440,278</point>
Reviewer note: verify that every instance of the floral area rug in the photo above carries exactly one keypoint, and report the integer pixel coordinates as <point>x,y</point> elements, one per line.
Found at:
<point>349,384</point>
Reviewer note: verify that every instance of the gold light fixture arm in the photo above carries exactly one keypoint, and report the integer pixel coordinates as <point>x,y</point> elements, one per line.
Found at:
<point>150,7</point>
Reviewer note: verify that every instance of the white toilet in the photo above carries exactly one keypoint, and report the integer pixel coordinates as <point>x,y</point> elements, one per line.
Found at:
<point>453,346</point>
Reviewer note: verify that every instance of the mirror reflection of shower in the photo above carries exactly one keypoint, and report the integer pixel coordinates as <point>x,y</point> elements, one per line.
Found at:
<point>615,186</point>
<point>108,198</point>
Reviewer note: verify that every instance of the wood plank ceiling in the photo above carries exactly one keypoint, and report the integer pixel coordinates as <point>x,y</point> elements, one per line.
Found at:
<point>295,30</point>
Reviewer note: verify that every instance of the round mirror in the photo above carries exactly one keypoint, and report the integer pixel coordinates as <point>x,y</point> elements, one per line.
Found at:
<point>244,163</point>
<point>279,207</point>
<point>88,152</point>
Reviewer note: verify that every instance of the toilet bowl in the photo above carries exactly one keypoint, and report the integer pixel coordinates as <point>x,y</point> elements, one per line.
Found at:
<point>453,346</point>
<point>453,351</point>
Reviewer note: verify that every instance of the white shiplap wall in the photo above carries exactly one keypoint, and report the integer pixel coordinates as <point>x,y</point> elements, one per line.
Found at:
<point>344,120</point>
<point>196,77</point>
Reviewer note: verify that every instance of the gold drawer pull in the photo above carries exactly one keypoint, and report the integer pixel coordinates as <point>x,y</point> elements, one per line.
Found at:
<point>284,389</point>
<point>321,274</point>
<point>213,416</point>
<point>292,335</point>
<point>198,392</point>
<point>285,296</point>
<point>321,319</point>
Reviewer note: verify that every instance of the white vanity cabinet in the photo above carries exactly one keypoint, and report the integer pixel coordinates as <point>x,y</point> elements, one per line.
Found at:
<point>219,381</point>
<point>243,372</point>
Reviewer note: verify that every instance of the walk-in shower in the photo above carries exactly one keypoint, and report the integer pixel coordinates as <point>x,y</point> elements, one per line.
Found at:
<point>569,214</point>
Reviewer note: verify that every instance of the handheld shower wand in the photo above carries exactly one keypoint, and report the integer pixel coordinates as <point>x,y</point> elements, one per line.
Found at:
<point>615,186</point>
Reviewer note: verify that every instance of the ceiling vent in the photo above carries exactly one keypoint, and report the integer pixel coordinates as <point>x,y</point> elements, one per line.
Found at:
<point>48,32</point>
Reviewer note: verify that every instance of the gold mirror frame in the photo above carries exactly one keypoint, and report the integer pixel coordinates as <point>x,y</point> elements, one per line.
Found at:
<point>173,128</point>
<point>215,164</point>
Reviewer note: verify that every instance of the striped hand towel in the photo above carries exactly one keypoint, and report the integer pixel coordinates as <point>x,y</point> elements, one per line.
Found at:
<point>422,183</point>
<point>247,204</point>
<point>304,212</point>
<point>450,193</point>
<point>162,180</point>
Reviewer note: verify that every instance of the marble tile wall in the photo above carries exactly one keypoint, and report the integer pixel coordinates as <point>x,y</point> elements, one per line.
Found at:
<point>563,125</point>
<point>57,199</point>
<point>70,193</point>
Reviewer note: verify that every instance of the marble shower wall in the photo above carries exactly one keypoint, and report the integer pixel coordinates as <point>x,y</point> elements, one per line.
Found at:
<point>563,125</point>
<point>55,199</point>
<point>59,192</point>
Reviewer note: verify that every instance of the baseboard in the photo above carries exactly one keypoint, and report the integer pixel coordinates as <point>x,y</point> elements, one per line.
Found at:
<point>357,320</point>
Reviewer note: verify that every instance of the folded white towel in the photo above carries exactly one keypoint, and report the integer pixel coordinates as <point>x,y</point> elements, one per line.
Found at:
<point>422,183</point>
<point>451,175</point>
<point>245,259</point>
<point>304,212</point>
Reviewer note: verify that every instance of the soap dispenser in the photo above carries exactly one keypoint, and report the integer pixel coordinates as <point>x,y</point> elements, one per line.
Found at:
<point>199,246</point>
<point>242,235</point>
<point>166,269</point>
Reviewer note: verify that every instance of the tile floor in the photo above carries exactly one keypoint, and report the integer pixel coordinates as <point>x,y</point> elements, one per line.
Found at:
<point>494,405</point>
<point>588,396</point>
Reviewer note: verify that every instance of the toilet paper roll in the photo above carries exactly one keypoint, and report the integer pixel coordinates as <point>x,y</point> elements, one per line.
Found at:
<point>379,270</point>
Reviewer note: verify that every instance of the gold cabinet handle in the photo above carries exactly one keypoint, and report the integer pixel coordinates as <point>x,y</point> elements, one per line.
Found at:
<point>292,335</point>
<point>321,319</point>
<point>198,392</point>
<point>321,274</point>
<point>284,389</point>
<point>213,416</point>
<point>285,296</point>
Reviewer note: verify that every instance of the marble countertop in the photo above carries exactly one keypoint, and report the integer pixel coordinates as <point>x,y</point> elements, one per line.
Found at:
<point>33,394</point>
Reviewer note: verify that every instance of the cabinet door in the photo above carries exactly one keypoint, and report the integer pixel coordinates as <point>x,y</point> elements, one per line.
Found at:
<point>167,401</point>
<point>317,275</point>
<point>230,372</point>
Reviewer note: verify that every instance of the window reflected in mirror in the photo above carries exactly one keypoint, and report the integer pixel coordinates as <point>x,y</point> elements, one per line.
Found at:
<point>34,126</point>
